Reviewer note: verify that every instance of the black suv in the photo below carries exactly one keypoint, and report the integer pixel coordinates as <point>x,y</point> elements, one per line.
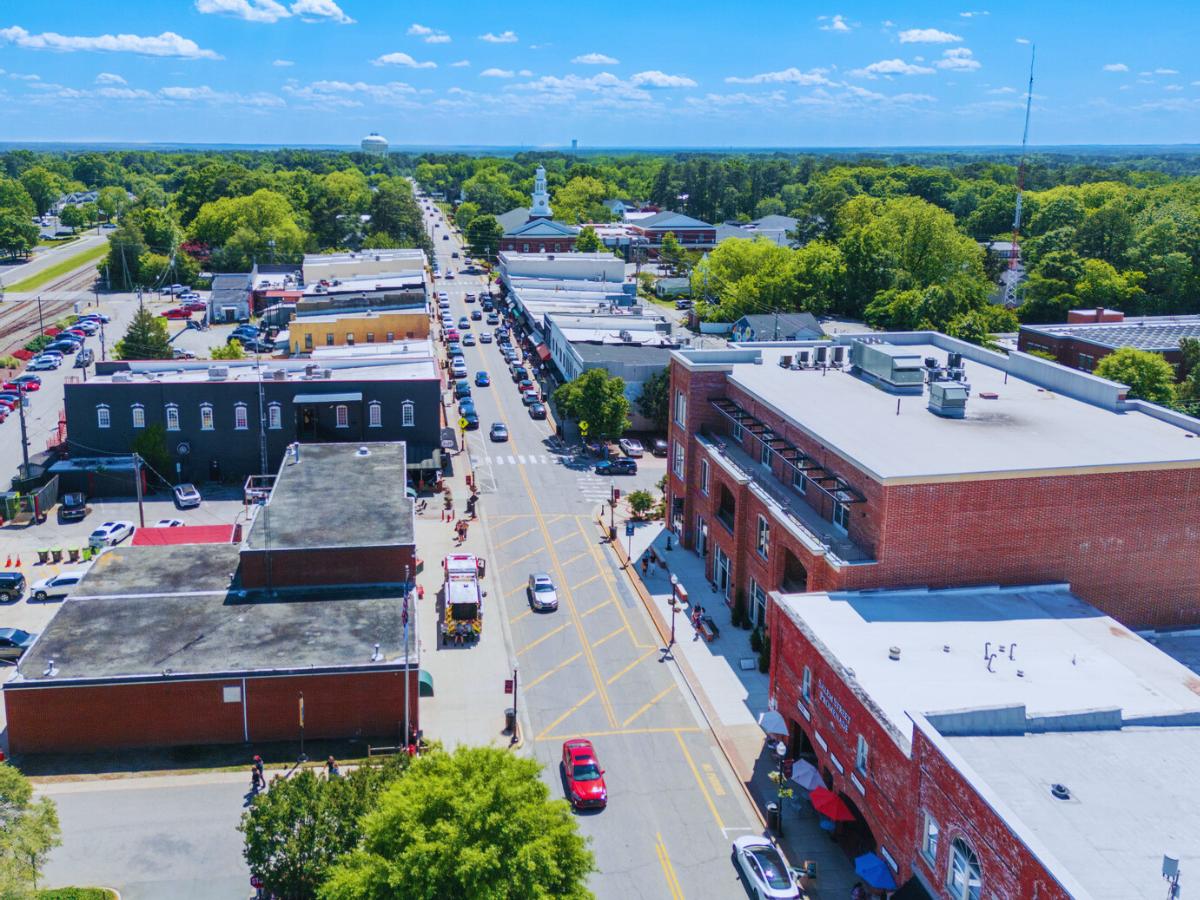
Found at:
<point>12,587</point>
<point>74,507</point>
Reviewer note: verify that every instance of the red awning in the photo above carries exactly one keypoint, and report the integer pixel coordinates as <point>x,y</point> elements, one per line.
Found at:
<point>830,805</point>
<point>284,295</point>
<point>186,534</point>
<point>543,352</point>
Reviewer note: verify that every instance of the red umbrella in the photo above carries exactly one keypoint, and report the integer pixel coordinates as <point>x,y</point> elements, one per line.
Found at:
<point>830,805</point>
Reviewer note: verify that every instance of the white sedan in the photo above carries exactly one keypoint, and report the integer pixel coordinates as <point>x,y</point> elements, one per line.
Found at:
<point>764,869</point>
<point>56,585</point>
<point>110,534</point>
<point>168,523</point>
<point>632,447</point>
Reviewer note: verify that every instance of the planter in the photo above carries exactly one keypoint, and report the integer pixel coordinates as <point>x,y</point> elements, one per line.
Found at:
<point>43,556</point>
<point>74,552</point>
<point>56,555</point>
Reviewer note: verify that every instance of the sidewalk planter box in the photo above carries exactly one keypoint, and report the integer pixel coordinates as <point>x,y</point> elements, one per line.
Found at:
<point>43,556</point>
<point>56,555</point>
<point>74,552</point>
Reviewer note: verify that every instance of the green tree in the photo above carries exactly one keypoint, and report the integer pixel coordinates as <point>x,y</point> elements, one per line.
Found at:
<point>242,230</point>
<point>582,200</point>
<point>640,502</point>
<point>394,212</point>
<point>44,187</point>
<point>654,400</point>
<point>588,241</point>
<point>147,338</point>
<point>979,325</point>
<point>336,204</point>
<point>597,398</point>
<point>673,256</point>
<point>126,249</point>
<point>769,206</point>
<point>465,213</point>
<point>483,236</point>
<point>491,191</point>
<point>228,350</point>
<point>14,198</point>
<point>72,217</point>
<point>298,830</point>
<point>111,201</point>
<point>1101,285</point>
<point>17,234</point>
<point>151,445</point>
<point>29,830</point>
<point>1148,375</point>
<point>479,823</point>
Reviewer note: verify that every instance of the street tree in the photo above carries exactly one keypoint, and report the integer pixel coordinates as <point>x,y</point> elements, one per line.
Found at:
<point>673,256</point>
<point>29,830</point>
<point>582,200</point>
<point>1148,375</point>
<point>17,234</point>
<point>483,236</point>
<point>147,338</point>
<point>597,398</point>
<point>588,241</point>
<point>492,192</point>
<point>241,230</point>
<point>228,350</point>
<point>653,401</point>
<point>478,822</point>
<point>465,213</point>
<point>110,201</point>
<point>72,217</point>
<point>44,187</point>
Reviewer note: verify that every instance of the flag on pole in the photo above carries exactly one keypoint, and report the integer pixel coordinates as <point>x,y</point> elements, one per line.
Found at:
<point>301,710</point>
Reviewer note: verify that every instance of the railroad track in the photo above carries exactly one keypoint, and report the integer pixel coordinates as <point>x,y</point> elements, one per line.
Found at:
<point>19,320</point>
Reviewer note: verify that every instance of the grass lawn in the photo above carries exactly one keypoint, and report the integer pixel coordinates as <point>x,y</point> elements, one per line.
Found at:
<point>33,282</point>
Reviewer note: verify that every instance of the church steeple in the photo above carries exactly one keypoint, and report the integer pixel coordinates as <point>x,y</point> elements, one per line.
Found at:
<point>541,197</point>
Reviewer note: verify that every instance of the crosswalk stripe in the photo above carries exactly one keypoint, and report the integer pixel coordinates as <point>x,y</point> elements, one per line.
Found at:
<point>511,461</point>
<point>522,459</point>
<point>499,460</point>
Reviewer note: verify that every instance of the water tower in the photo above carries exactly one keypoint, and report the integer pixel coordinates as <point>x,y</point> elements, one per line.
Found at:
<point>375,144</point>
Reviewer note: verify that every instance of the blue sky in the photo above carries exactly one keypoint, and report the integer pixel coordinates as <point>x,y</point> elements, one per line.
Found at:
<point>718,74</point>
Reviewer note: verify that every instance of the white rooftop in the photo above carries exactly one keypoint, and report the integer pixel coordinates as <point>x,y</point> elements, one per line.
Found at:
<point>1071,658</point>
<point>419,366</point>
<point>417,349</point>
<point>405,254</point>
<point>1027,428</point>
<point>391,280</point>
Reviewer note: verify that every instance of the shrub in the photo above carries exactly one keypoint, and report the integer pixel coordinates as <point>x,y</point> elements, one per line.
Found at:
<point>756,640</point>
<point>764,655</point>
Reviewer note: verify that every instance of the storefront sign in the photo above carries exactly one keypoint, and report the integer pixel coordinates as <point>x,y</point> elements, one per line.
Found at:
<point>836,710</point>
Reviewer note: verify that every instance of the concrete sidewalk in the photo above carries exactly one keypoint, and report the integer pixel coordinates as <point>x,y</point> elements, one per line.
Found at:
<point>723,674</point>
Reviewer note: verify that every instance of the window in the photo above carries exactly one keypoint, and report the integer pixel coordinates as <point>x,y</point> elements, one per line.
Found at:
<point>329,339</point>
<point>1087,363</point>
<point>841,515</point>
<point>678,460</point>
<point>241,421</point>
<point>274,416</point>
<point>341,414</point>
<point>172,412</point>
<point>391,336</point>
<point>375,414</point>
<point>929,841</point>
<point>799,481</point>
<point>103,417</point>
<point>736,432</point>
<point>964,878</point>
<point>349,338</point>
<point>407,414</point>
<point>806,684</point>
<point>704,476</point>
<point>680,408</point>
<point>308,341</point>
<point>762,542</point>
<point>765,454</point>
<point>862,755</point>
<point>758,603</point>
<point>139,416</point>
<point>206,417</point>
<point>370,337</point>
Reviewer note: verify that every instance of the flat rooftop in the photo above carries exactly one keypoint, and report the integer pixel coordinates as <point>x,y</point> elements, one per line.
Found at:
<point>1071,657</point>
<point>335,496</point>
<point>138,637</point>
<point>413,367</point>
<point>628,354</point>
<point>157,571</point>
<point>1155,333</point>
<point>1027,428</point>
<point>400,253</point>
<point>390,282</point>
<point>1134,798</point>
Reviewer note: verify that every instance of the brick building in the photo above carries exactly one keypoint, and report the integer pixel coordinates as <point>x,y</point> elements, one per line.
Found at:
<point>791,468</point>
<point>533,229</point>
<point>1005,743</point>
<point>1091,334</point>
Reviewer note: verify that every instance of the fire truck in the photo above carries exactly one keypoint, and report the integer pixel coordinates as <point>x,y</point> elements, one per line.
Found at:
<point>461,612</point>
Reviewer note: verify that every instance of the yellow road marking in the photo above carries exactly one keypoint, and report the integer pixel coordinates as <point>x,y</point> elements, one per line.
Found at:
<point>554,519</point>
<point>587,580</point>
<point>600,563</point>
<point>515,619</point>
<point>700,781</point>
<point>664,860</point>
<point>547,674</point>
<point>670,687</point>
<point>618,732</point>
<point>630,667</point>
<point>598,606</point>
<point>560,719</point>
<point>565,537</point>
<point>520,587</point>
<point>611,634</point>
<point>567,562</point>
<point>713,779</point>
<point>527,531</point>
<point>544,637</point>
<point>520,560</point>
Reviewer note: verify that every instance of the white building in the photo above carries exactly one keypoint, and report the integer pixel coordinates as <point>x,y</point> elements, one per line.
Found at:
<point>375,144</point>
<point>344,266</point>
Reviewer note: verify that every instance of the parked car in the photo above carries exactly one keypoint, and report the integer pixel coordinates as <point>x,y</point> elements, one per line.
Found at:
<point>84,358</point>
<point>56,586</point>
<point>659,447</point>
<point>73,506</point>
<point>180,353</point>
<point>530,397</point>
<point>493,319</point>
<point>537,410</point>
<point>622,465</point>
<point>524,386</point>
<point>476,315</point>
<point>542,592</point>
<point>10,399</point>
<point>485,337</point>
<point>519,374</point>
<point>462,389</point>
<point>110,534</point>
<point>766,874</point>
<point>586,788</point>
<point>176,312</point>
<point>472,420</point>
<point>186,495</point>
<point>14,642</point>
<point>45,363</point>
<point>482,379</point>
<point>12,387</point>
<point>498,432</point>
<point>28,382</point>
<point>12,586</point>
<point>468,340</point>
<point>64,346</point>
<point>458,368</point>
<point>97,317</point>
<point>465,406</point>
<point>463,323</point>
<point>631,447</point>
<point>194,305</point>
<point>454,255</point>
<point>253,346</point>
<point>168,523</point>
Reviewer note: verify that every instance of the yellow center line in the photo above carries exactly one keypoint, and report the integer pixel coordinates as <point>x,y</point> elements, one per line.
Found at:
<point>559,720</point>
<point>670,687</point>
<point>664,859</point>
<point>595,608</point>
<point>618,732</point>
<point>527,531</point>
<point>600,563</point>
<point>611,634</point>
<point>544,637</point>
<point>515,619</point>
<point>700,781</point>
<point>547,674</point>
<point>630,667</point>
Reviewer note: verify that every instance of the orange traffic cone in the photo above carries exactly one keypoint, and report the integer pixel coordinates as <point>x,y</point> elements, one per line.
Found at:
<point>8,562</point>
<point>18,560</point>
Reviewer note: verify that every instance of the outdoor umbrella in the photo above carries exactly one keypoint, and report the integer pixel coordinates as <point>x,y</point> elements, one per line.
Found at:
<point>830,805</point>
<point>875,872</point>
<point>806,775</point>
<point>772,723</point>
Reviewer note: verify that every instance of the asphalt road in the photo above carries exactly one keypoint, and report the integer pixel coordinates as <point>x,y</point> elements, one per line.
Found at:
<point>594,667</point>
<point>49,256</point>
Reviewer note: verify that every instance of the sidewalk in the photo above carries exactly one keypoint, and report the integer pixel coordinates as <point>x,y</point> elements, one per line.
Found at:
<point>732,692</point>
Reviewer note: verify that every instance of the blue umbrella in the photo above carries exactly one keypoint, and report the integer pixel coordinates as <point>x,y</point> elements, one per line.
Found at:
<point>875,872</point>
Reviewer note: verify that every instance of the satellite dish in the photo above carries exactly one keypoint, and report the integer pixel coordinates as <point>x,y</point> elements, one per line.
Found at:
<point>183,448</point>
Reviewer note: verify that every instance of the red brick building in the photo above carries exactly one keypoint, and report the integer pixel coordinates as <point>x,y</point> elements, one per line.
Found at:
<point>691,233</point>
<point>793,469</point>
<point>948,721</point>
<point>1091,334</point>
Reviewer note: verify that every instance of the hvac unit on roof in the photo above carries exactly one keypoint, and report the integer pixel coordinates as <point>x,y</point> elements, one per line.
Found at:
<point>785,362</point>
<point>218,373</point>
<point>122,377</point>
<point>803,358</point>
<point>821,355</point>
<point>839,355</point>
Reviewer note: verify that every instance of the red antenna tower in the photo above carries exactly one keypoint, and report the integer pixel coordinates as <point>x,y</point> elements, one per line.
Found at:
<point>1010,285</point>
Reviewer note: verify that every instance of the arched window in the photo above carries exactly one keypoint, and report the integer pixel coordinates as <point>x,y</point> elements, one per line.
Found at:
<point>965,878</point>
<point>342,415</point>
<point>407,414</point>
<point>274,416</point>
<point>206,417</point>
<point>139,415</point>
<point>103,416</point>
<point>241,421</point>
<point>172,412</point>
<point>375,414</point>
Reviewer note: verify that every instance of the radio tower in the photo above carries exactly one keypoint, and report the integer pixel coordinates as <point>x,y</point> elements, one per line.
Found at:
<point>1010,282</point>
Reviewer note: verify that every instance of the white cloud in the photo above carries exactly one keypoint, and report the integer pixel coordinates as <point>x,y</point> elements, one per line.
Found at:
<point>1173,87</point>
<point>21,76</point>
<point>1003,90</point>
<point>429,35</point>
<point>1161,71</point>
<point>351,93</point>
<point>461,64</point>
<point>504,37</point>
<point>415,30</point>
<point>402,59</point>
<point>595,59</point>
<point>927,36</point>
<point>1022,40</point>
<point>1116,67</point>
<point>438,39</point>
<point>497,73</point>
<point>166,44</point>
<point>205,94</point>
<point>889,67</point>
<point>526,73</point>
<point>250,10</point>
<point>959,59</point>
<point>786,76</point>
<point>315,10</point>
<point>834,23</point>
<point>656,79</point>
<point>283,63</point>
<point>124,93</point>
<point>109,78</point>
<point>974,13</point>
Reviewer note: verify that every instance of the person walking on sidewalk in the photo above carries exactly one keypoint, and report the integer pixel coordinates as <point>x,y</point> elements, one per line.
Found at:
<point>645,566</point>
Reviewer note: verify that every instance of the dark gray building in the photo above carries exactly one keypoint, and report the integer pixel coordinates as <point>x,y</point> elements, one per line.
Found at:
<point>229,300</point>
<point>777,327</point>
<point>217,417</point>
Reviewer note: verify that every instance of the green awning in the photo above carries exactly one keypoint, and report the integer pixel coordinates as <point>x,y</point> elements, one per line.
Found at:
<point>328,398</point>
<point>424,684</point>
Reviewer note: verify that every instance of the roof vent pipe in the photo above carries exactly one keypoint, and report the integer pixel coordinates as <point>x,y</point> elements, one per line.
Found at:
<point>1060,791</point>
<point>894,654</point>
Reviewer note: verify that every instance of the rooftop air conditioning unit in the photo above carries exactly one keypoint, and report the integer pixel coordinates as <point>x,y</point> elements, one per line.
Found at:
<point>803,358</point>
<point>822,355</point>
<point>327,373</point>
<point>839,355</point>
<point>279,374</point>
<point>218,373</point>
<point>310,369</point>
<point>122,377</point>
<point>785,362</point>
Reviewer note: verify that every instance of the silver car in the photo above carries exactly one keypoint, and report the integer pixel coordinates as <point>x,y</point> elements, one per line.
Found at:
<point>765,872</point>
<point>542,593</point>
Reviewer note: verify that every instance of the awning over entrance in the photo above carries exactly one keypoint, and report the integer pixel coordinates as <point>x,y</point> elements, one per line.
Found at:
<point>543,352</point>
<point>348,397</point>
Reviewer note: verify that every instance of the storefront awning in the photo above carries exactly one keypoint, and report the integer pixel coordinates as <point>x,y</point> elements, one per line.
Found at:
<point>348,397</point>
<point>543,352</point>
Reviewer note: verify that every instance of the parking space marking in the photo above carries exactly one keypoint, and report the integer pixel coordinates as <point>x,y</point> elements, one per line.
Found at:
<point>517,618</point>
<point>607,637</point>
<point>619,732</point>
<point>520,559</point>
<point>527,531</point>
<point>544,637</point>
<point>713,780</point>
<point>563,717</point>
<point>549,672</point>
<point>712,807</point>
<point>568,561</point>
<point>629,668</point>
<point>649,703</point>
<point>598,606</point>
<point>565,537</point>
<point>664,859</point>
<point>611,584</point>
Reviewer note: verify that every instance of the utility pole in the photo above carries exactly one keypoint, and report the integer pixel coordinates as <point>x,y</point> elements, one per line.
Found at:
<point>103,348</point>
<point>137,483</point>
<point>407,663</point>
<point>41,322</point>
<point>24,437</point>
<point>1010,287</point>
<point>513,739</point>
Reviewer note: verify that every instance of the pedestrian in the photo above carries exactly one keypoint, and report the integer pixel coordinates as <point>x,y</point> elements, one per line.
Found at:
<point>331,768</point>
<point>695,617</point>
<point>858,892</point>
<point>645,565</point>
<point>258,767</point>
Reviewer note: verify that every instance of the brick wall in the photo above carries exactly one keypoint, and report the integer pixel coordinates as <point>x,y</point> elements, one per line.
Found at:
<point>307,567</point>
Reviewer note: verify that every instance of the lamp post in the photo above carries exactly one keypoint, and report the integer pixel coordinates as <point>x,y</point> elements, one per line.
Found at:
<point>407,661</point>
<point>667,654</point>
<point>780,780</point>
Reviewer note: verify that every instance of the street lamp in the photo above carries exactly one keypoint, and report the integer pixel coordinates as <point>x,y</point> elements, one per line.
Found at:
<point>667,654</point>
<point>780,781</point>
